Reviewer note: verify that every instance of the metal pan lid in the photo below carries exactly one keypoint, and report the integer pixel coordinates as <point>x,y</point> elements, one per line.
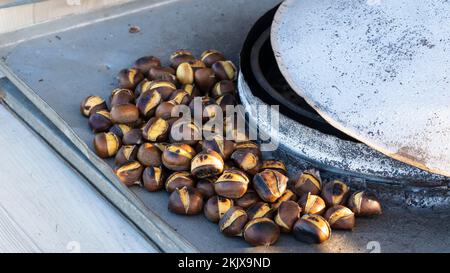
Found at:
<point>378,70</point>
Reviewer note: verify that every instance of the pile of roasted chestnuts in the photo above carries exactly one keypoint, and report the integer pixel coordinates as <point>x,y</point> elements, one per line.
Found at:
<point>227,180</point>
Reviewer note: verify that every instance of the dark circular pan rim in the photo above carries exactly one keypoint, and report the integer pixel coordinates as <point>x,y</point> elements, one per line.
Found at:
<point>251,54</point>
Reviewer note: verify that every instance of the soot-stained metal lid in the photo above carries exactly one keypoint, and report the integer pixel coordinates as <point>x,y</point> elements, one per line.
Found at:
<point>378,70</point>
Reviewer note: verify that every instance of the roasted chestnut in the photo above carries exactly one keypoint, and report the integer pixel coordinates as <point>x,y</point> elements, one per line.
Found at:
<point>179,180</point>
<point>248,157</point>
<point>106,144</point>
<point>233,221</point>
<point>275,165</point>
<point>220,145</point>
<point>205,79</point>
<point>181,97</point>
<point>340,217</point>
<point>100,121</point>
<point>211,56</point>
<point>204,107</point>
<point>92,104</point>
<point>185,73</point>
<point>206,187</point>
<point>335,193</point>
<point>364,204</point>
<point>261,232</point>
<point>225,70</point>
<point>177,157</point>
<point>120,130</point>
<point>233,183</point>
<point>126,153</point>
<point>288,195</point>
<point>312,204</point>
<point>225,101</point>
<point>130,173</point>
<point>160,73</point>
<point>287,214</point>
<point>309,181</point>
<point>163,87</point>
<point>124,114</point>
<point>270,185</point>
<point>216,207</point>
<point>192,90</point>
<point>133,137</point>
<point>181,56</point>
<point>223,87</point>
<point>248,199</point>
<point>144,64</point>
<point>156,130</point>
<point>164,110</point>
<point>121,96</point>
<point>153,178</point>
<point>149,155</point>
<point>312,229</point>
<point>184,131</point>
<point>259,210</point>
<point>148,102</point>
<point>142,87</point>
<point>129,78</point>
<point>207,164</point>
<point>235,129</point>
<point>186,201</point>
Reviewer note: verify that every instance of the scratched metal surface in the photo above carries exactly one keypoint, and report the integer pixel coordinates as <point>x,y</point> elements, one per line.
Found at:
<point>376,70</point>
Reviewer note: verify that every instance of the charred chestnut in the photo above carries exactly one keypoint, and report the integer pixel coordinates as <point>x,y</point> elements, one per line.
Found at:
<point>205,79</point>
<point>177,157</point>
<point>312,229</point>
<point>100,121</point>
<point>223,87</point>
<point>275,165</point>
<point>121,96</point>
<point>156,130</point>
<point>153,178</point>
<point>259,210</point>
<point>206,187</point>
<point>364,204</point>
<point>106,144</point>
<point>186,201</point>
<point>211,56</point>
<point>216,207</point>
<point>124,114</point>
<point>148,103</point>
<point>142,87</point>
<point>130,173</point>
<point>233,183</point>
<point>126,153</point>
<point>164,110</point>
<point>163,87</point>
<point>160,73</point>
<point>144,64</point>
<point>288,195</point>
<point>287,214</point>
<point>225,101</point>
<point>181,56</point>
<point>335,193</point>
<point>220,145</point>
<point>120,130</point>
<point>181,97</point>
<point>184,131</point>
<point>248,157</point>
<point>129,78</point>
<point>340,217</point>
<point>192,90</point>
<point>248,199</point>
<point>233,221</point>
<point>207,164</point>
<point>261,232</point>
<point>92,104</point>
<point>178,180</point>
<point>309,181</point>
<point>149,155</point>
<point>312,204</point>
<point>133,137</point>
<point>225,70</point>
<point>270,185</point>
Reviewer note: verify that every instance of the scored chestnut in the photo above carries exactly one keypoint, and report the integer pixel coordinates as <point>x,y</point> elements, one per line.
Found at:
<point>340,217</point>
<point>177,157</point>
<point>100,121</point>
<point>261,232</point>
<point>233,183</point>
<point>270,185</point>
<point>181,56</point>
<point>181,97</point>
<point>275,165</point>
<point>124,114</point>
<point>142,87</point>
<point>192,90</point>
<point>153,178</point>
<point>178,180</point>
<point>233,221</point>
<point>287,214</point>
<point>164,110</point>
<point>129,78</point>
<point>309,181</point>
<point>288,195</point>
<point>185,73</point>
<point>126,153</point>
<point>130,173</point>
<point>106,144</point>
<point>223,87</point>
<point>211,56</point>
<point>133,137</point>
<point>220,145</point>
<point>312,229</point>
<point>144,64</point>
<point>225,70</point>
<point>216,207</point>
<point>207,164</point>
<point>335,193</point>
<point>149,155</point>
<point>364,204</point>
<point>148,102</point>
<point>205,79</point>
<point>120,130</point>
<point>226,101</point>
<point>92,104</point>
<point>248,157</point>
<point>259,210</point>
<point>156,130</point>
<point>248,199</point>
<point>206,187</point>
<point>312,204</point>
<point>160,73</point>
<point>121,96</point>
<point>185,131</point>
<point>163,87</point>
<point>186,201</point>
<point>206,106</point>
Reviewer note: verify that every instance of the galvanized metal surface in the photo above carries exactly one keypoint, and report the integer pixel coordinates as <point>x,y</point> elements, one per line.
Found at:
<point>376,70</point>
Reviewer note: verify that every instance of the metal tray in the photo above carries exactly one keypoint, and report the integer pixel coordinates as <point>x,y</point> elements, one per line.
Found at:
<point>51,66</point>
